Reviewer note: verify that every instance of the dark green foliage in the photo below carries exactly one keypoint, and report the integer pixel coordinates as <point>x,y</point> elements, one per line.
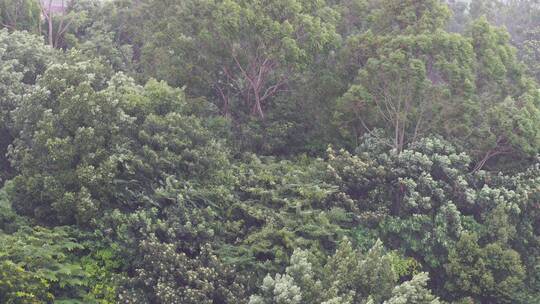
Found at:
<point>174,264</point>
<point>429,200</point>
<point>20,15</point>
<point>95,31</point>
<point>413,80</point>
<point>280,206</point>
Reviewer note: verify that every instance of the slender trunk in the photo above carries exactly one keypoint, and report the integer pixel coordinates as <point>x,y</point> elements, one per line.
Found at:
<point>49,22</point>
<point>225,99</point>
<point>396,134</point>
<point>258,106</point>
<point>398,198</point>
<point>402,138</point>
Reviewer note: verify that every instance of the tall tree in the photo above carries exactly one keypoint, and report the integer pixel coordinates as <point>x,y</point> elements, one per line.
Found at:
<point>240,53</point>
<point>23,58</point>
<point>59,17</point>
<point>416,79</point>
<point>22,15</point>
<point>408,69</point>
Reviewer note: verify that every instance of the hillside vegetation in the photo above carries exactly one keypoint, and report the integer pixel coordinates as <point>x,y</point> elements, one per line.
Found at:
<point>270,152</point>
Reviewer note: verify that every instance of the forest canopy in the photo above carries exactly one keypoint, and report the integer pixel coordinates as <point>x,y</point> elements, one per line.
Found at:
<point>270,152</point>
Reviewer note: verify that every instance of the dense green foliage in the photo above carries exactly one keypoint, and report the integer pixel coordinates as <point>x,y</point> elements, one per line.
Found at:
<point>270,152</point>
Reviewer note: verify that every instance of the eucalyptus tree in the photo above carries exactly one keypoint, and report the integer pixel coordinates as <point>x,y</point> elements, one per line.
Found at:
<point>415,79</point>
<point>240,53</point>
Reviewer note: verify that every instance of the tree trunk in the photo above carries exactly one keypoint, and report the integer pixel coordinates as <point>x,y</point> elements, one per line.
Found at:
<point>50,32</point>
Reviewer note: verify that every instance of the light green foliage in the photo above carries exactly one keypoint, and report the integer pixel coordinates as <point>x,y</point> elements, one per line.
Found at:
<point>38,263</point>
<point>347,277</point>
<point>507,99</point>
<point>412,74</point>
<point>173,145</point>
<point>530,51</point>
<point>180,145</point>
<point>82,151</point>
<point>20,286</point>
<point>404,266</point>
<point>404,85</point>
<point>498,71</point>
<point>492,271</point>
<point>371,275</point>
<point>413,292</point>
<point>278,290</point>
<point>100,267</point>
<point>521,20</point>
<point>409,16</point>
<point>283,288</point>
<point>23,57</point>
<point>69,151</point>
